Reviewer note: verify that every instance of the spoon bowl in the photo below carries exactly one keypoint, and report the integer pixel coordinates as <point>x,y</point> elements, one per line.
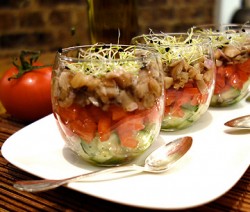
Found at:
<point>242,122</point>
<point>165,156</point>
<point>160,160</point>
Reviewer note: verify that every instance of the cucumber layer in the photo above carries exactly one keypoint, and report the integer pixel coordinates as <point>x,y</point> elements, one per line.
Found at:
<point>112,152</point>
<point>229,97</point>
<point>191,114</point>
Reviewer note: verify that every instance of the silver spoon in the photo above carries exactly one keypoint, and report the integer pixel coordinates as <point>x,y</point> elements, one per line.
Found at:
<point>240,122</point>
<point>158,161</point>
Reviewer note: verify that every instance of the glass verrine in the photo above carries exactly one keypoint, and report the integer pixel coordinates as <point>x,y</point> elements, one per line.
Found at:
<point>188,68</point>
<point>231,44</point>
<point>108,101</point>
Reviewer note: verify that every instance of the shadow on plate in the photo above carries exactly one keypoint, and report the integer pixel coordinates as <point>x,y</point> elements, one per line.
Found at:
<point>234,131</point>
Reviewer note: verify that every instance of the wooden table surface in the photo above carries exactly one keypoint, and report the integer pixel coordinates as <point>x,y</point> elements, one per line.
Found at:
<point>64,199</point>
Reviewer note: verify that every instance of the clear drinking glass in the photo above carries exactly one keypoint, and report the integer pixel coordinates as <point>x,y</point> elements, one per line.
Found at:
<point>108,101</point>
<point>188,68</point>
<point>231,44</point>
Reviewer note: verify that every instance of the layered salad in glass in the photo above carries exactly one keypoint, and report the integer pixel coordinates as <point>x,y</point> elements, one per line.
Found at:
<point>231,44</point>
<point>188,68</point>
<point>108,101</point>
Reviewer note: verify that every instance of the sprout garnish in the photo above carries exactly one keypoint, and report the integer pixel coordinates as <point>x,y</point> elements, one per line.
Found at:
<point>101,59</point>
<point>172,47</point>
<point>225,37</point>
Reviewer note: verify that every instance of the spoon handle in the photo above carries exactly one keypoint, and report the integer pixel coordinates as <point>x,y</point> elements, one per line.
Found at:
<point>43,185</point>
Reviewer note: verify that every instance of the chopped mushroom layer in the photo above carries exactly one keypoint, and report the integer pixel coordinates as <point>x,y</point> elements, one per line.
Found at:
<point>179,72</point>
<point>132,91</point>
<point>230,54</point>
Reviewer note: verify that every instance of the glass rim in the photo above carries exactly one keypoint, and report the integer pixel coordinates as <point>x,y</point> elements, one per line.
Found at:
<point>61,53</point>
<point>218,29</point>
<point>224,25</point>
<point>204,39</point>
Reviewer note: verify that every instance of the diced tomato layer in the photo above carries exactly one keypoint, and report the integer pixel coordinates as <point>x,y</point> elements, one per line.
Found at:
<point>104,126</point>
<point>90,121</point>
<point>85,129</point>
<point>117,112</point>
<point>127,139</point>
<point>95,112</point>
<point>232,75</point>
<point>170,96</point>
<point>175,99</point>
<point>245,66</point>
<point>78,121</point>
<point>130,123</point>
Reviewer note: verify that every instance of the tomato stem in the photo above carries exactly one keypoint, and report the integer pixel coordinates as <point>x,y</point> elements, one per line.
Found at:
<point>26,59</point>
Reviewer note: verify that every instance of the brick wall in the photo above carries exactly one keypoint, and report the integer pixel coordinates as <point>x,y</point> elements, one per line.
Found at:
<point>48,24</point>
<point>174,15</point>
<point>41,24</point>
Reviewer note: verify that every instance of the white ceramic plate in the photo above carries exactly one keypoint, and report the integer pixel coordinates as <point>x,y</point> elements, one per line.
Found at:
<point>217,160</point>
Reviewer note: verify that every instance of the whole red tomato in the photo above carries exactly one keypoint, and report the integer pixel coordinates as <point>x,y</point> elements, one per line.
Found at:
<point>25,93</point>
